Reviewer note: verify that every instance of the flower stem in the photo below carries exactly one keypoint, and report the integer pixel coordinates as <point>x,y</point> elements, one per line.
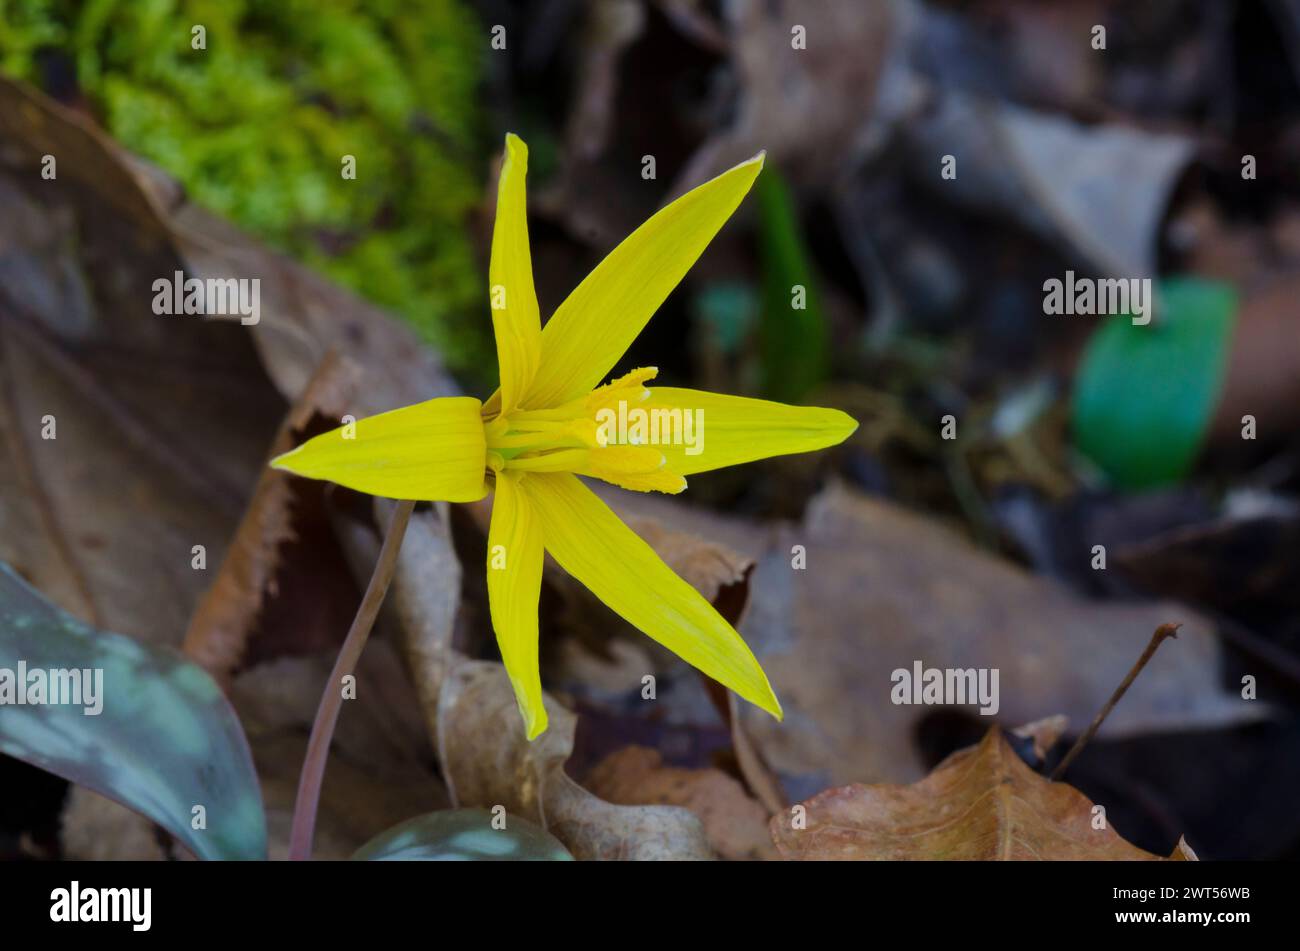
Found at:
<point>331,701</point>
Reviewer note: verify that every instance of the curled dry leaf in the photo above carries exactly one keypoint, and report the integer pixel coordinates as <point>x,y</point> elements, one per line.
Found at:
<point>1097,191</point>
<point>610,28</point>
<point>799,105</point>
<point>472,714</point>
<point>486,756</point>
<point>735,824</point>
<point>981,803</point>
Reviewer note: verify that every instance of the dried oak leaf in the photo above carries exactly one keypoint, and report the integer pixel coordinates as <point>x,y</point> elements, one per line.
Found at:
<point>981,803</point>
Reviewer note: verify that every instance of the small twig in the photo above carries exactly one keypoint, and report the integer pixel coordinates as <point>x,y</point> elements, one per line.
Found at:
<point>331,701</point>
<point>1162,632</point>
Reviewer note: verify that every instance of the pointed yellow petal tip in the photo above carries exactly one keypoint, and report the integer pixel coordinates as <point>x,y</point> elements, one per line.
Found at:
<point>534,725</point>
<point>753,164</point>
<point>282,461</point>
<point>838,425</point>
<point>769,703</point>
<point>850,425</point>
<point>516,145</point>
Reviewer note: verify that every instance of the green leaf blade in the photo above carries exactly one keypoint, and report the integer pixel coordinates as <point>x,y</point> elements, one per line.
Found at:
<point>165,739</point>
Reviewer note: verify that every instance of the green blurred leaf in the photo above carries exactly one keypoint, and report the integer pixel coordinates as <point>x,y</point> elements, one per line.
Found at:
<point>726,310</point>
<point>463,835</point>
<point>165,739</point>
<point>795,340</point>
<point>1145,395</point>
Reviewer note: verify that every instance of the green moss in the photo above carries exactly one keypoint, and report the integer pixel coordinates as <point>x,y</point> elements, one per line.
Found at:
<point>256,126</point>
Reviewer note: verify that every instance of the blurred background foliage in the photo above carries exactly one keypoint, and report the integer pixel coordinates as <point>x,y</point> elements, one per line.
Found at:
<point>256,126</point>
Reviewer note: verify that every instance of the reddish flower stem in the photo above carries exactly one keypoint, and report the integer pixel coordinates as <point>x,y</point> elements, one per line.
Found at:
<point>331,701</point>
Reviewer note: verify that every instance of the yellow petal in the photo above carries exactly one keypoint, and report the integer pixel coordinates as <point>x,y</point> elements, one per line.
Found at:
<point>591,543</point>
<point>729,430</point>
<point>514,582</point>
<point>593,328</point>
<point>639,468</point>
<point>433,451</point>
<point>515,320</point>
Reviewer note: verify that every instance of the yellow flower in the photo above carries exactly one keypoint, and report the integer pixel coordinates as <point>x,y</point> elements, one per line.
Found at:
<point>549,423</point>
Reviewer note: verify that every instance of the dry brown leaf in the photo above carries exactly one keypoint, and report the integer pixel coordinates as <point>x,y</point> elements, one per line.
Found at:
<point>162,423</point>
<point>735,824</point>
<point>801,105</point>
<point>1097,191</point>
<point>219,630</point>
<point>981,803</point>
<point>303,316</point>
<point>884,588</point>
<point>921,593</point>
<point>94,828</point>
<point>1263,373</point>
<point>611,27</point>
<point>489,762</point>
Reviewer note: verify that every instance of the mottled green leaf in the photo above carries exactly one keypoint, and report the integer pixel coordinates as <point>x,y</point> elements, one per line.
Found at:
<point>163,742</point>
<point>464,835</point>
<point>1145,394</point>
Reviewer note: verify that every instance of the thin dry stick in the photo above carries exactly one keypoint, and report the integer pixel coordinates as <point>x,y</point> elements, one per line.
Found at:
<point>327,715</point>
<point>1158,638</point>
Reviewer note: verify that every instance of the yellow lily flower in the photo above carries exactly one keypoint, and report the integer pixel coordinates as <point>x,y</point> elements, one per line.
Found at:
<point>549,423</point>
